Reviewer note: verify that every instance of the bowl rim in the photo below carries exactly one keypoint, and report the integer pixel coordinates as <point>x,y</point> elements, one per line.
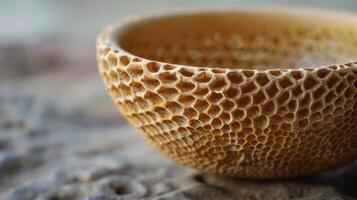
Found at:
<point>112,33</point>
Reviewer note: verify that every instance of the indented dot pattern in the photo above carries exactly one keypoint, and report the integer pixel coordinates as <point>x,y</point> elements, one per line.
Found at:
<point>261,123</point>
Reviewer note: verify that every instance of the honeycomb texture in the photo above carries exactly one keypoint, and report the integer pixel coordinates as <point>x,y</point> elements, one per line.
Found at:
<point>211,96</point>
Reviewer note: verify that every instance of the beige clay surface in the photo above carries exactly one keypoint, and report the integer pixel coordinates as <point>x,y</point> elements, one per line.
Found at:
<point>254,94</point>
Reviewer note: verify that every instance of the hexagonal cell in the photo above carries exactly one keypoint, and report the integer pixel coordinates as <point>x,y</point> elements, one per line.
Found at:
<point>342,73</point>
<point>251,138</point>
<point>153,98</point>
<point>135,70</point>
<point>214,110</point>
<point>152,115</point>
<point>227,105</point>
<point>217,84</point>
<point>323,73</point>
<point>289,117</point>
<point>330,97</point>
<point>170,124</point>
<point>183,131</point>
<point>148,119</point>
<point>302,124</point>
<point>207,128</point>
<point>162,112</point>
<point>123,76</point>
<point>179,120</point>
<point>297,91</point>
<point>244,101</point>
<point>201,105</point>
<point>226,129</point>
<point>297,75</point>
<point>125,90</point>
<point>204,118</point>
<point>225,117</point>
<point>333,80</point>
<point>153,67</point>
<point>283,98</point>
<point>268,108</point>
<point>114,78</point>
<point>217,123</point>
<point>168,67</point>
<point>141,102</point>
<point>124,60</point>
<point>261,122</point>
<point>248,73</point>
<point>186,100</point>
<point>310,83</point>
<point>167,77</point>
<point>137,88</point>
<point>116,93</point>
<point>150,83</point>
<point>174,107</point>
<point>167,93</point>
<point>215,97</point>
<point>201,91</point>
<point>341,87</point>
<point>272,90</point>
<point>194,123</point>
<point>218,70</point>
<point>190,113</point>
<point>262,79</point>
<point>316,117</point>
<point>104,65</point>
<point>319,92</point>
<point>185,86</point>
<point>235,77</point>
<point>253,111</point>
<point>187,140</point>
<point>259,97</point>
<point>112,60</point>
<point>231,92</point>
<point>305,101</point>
<point>246,122</point>
<point>186,72</point>
<point>203,77</point>
<point>276,73</point>
<point>285,82</point>
<point>139,119</point>
<point>238,114</point>
<point>292,105</point>
<point>283,110</point>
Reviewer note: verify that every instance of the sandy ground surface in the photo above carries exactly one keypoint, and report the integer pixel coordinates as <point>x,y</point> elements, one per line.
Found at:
<point>61,138</point>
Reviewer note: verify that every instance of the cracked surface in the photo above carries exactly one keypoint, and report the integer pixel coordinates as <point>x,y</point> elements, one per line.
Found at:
<point>234,114</point>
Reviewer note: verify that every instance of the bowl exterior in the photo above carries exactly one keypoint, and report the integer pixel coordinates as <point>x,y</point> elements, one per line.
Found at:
<point>234,122</point>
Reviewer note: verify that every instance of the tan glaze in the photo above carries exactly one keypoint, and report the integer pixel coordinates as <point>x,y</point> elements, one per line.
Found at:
<point>248,93</point>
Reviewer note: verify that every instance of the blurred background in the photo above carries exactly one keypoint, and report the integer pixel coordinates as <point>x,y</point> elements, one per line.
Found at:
<point>48,47</point>
<point>57,124</point>
<point>49,33</point>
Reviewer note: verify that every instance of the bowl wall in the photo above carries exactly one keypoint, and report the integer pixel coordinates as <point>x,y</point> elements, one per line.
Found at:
<point>251,104</point>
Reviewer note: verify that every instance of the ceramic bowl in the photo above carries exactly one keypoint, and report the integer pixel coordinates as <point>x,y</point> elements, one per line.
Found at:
<point>253,93</point>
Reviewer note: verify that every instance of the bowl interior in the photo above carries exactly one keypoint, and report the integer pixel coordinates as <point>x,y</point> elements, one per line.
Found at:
<point>244,39</point>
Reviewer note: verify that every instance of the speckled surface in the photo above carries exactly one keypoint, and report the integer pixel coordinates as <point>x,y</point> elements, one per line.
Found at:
<point>60,137</point>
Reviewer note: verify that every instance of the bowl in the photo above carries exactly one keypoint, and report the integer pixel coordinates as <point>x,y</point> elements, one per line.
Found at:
<point>249,92</point>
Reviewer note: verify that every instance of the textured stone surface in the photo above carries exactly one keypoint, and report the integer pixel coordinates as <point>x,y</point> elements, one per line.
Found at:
<point>61,132</point>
